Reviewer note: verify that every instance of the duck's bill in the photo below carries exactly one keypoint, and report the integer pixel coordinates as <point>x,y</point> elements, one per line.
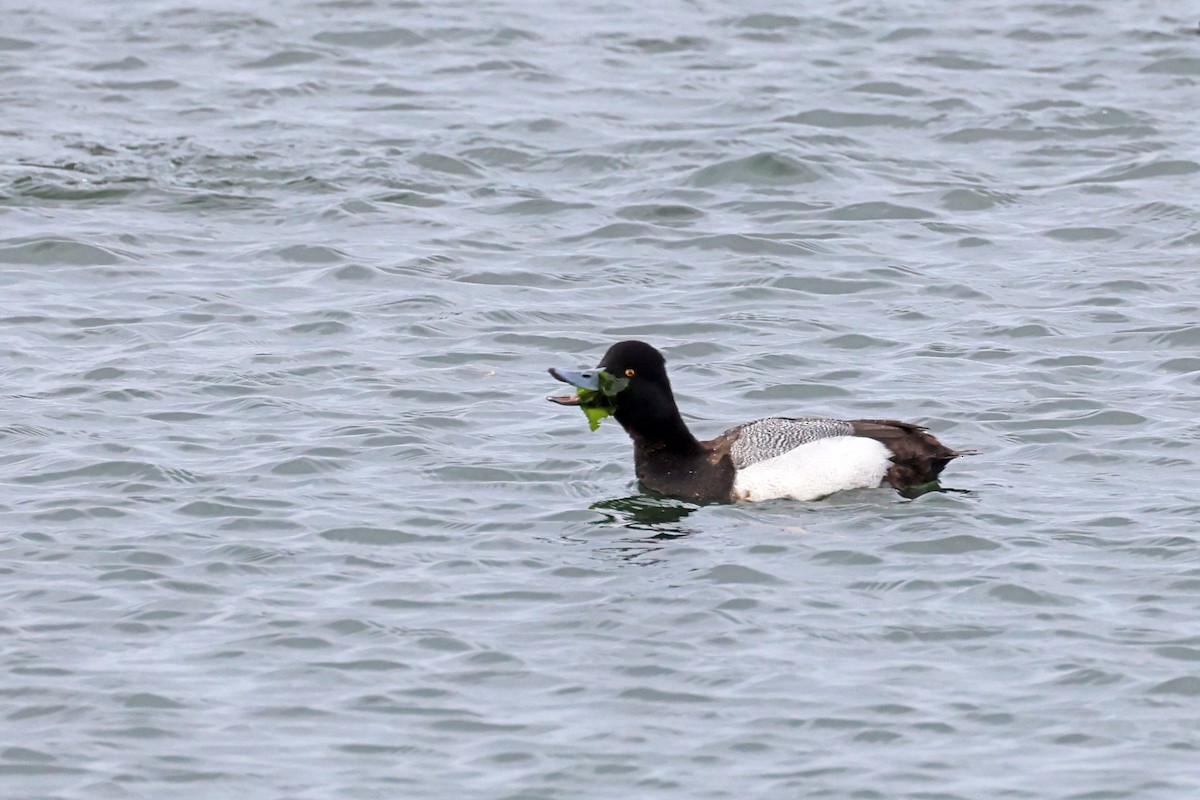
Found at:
<point>582,380</point>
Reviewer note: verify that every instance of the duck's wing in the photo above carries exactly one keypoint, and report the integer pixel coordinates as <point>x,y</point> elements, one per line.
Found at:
<point>767,438</point>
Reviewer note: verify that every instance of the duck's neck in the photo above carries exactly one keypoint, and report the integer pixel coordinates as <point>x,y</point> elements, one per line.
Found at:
<point>664,433</point>
<point>668,460</point>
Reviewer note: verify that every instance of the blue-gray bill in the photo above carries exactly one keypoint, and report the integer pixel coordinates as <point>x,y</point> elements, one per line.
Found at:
<point>589,379</point>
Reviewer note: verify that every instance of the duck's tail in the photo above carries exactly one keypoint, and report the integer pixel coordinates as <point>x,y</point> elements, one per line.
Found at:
<point>918,457</point>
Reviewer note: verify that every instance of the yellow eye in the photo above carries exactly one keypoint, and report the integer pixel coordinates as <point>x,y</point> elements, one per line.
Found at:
<point>629,373</point>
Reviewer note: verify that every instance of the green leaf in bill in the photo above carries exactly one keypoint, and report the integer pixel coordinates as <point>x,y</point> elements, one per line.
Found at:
<point>600,403</point>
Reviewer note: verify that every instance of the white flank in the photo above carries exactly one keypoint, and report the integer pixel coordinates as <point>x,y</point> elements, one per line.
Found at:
<point>815,470</point>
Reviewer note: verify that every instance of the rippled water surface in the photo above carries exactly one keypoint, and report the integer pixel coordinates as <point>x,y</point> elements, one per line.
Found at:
<point>285,514</point>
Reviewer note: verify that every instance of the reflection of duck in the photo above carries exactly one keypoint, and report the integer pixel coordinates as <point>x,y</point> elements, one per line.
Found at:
<point>802,459</point>
<point>657,515</point>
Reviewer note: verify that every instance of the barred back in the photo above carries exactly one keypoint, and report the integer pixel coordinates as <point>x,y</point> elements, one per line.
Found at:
<point>766,438</point>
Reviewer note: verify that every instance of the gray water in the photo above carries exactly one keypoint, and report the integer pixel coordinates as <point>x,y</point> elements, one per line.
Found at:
<point>285,513</point>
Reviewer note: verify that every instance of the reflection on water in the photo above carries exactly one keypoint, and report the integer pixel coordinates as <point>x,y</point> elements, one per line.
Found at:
<point>933,487</point>
<point>647,512</point>
<point>657,519</point>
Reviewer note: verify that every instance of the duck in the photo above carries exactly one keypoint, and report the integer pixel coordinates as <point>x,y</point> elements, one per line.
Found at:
<point>798,458</point>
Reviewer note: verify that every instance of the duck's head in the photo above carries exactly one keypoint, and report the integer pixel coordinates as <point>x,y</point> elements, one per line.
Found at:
<point>632,380</point>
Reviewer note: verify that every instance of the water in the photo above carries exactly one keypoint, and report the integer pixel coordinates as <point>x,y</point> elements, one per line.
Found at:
<point>285,514</point>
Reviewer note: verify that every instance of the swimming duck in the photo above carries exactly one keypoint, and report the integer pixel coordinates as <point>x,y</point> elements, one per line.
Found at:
<point>778,457</point>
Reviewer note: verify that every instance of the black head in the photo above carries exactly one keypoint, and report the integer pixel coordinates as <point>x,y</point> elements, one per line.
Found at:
<point>644,399</point>
<point>646,408</point>
<point>636,368</point>
<point>638,362</point>
<point>644,405</point>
